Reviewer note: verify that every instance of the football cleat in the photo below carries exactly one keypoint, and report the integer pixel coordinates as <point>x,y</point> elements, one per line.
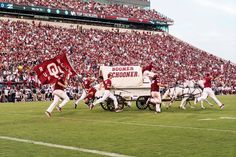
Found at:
<point>75,105</point>
<point>118,110</point>
<point>59,109</point>
<point>48,114</point>
<point>222,106</point>
<point>91,106</point>
<point>195,101</point>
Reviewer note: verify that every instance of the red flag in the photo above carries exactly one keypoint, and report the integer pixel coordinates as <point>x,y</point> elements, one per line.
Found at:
<point>49,70</point>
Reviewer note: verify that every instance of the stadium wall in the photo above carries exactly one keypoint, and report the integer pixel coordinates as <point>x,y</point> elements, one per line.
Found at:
<point>78,26</point>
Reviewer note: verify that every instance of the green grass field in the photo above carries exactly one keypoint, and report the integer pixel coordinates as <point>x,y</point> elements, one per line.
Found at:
<point>173,133</point>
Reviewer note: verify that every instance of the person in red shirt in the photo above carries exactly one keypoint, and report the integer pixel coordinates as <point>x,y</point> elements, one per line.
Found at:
<point>90,95</point>
<point>155,93</point>
<point>207,91</point>
<point>86,85</point>
<point>107,84</point>
<point>58,94</point>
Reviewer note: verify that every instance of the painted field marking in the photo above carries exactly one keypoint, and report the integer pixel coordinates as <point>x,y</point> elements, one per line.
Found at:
<point>152,125</point>
<point>207,119</point>
<point>63,147</point>
<point>230,118</point>
<point>226,118</point>
<point>178,127</point>
<point>134,123</point>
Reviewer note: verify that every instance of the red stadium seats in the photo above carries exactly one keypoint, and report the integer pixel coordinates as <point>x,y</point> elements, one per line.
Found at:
<point>24,45</point>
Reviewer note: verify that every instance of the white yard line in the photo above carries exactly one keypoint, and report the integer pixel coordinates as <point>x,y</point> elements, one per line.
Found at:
<point>152,125</point>
<point>63,147</point>
<point>230,118</point>
<point>178,127</point>
<point>225,118</point>
<point>207,119</point>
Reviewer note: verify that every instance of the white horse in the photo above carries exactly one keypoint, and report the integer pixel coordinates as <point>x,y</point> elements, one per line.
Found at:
<point>173,94</point>
<point>188,93</point>
<point>184,93</point>
<point>196,85</point>
<point>189,83</point>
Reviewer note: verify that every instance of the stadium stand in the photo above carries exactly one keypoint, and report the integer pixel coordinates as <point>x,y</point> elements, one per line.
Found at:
<point>92,7</point>
<point>25,44</point>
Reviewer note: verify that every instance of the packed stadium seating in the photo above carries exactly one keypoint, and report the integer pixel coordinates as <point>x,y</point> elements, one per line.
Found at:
<point>23,45</point>
<point>96,8</point>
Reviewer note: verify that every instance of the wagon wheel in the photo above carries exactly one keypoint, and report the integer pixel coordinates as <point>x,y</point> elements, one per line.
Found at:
<point>120,100</point>
<point>111,106</point>
<point>152,106</point>
<point>141,102</point>
<point>104,105</point>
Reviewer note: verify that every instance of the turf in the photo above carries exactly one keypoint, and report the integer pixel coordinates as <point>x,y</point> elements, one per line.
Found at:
<point>173,133</point>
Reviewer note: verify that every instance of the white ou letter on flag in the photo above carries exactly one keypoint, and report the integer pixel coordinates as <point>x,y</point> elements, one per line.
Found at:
<point>48,70</point>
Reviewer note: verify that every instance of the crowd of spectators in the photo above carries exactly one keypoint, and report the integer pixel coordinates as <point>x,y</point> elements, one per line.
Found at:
<point>92,7</point>
<point>24,45</point>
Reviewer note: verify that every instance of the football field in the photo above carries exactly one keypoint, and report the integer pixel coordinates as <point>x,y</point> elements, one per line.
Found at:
<point>25,131</point>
